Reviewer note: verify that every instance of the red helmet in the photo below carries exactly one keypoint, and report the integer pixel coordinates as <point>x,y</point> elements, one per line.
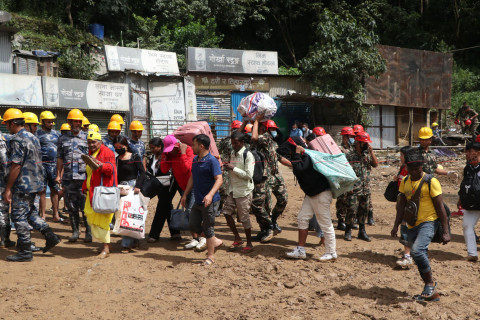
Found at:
<point>319,131</point>
<point>358,128</point>
<point>457,121</point>
<point>468,122</point>
<point>236,124</point>
<point>270,124</point>
<point>478,138</point>
<point>363,137</point>
<point>347,131</point>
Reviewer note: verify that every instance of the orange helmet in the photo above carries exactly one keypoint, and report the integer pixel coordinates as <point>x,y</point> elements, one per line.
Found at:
<point>319,131</point>
<point>117,118</point>
<point>236,124</point>
<point>270,124</point>
<point>363,137</point>
<point>248,128</point>
<point>358,128</point>
<point>75,114</point>
<point>347,131</point>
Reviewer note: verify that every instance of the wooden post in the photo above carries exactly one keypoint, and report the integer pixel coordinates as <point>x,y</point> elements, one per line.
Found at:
<point>410,127</point>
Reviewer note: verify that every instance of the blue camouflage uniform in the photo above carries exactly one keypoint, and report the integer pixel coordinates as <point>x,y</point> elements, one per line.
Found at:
<point>4,214</point>
<point>70,149</point>
<point>108,142</point>
<point>48,143</point>
<point>25,151</point>
<point>137,147</point>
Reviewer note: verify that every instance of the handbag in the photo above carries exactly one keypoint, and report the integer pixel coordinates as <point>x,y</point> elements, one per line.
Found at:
<point>151,185</point>
<point>411,207</point>
<point>106,199</point>
<point>391,192</point>
<point>437,238</point>
<point>179,219</point>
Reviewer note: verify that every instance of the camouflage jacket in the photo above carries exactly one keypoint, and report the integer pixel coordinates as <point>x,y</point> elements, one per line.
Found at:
<point>464,115</point>
<point>108,142</point>
<point>70,150</point>
<point>268,148</point>
<point>3,160</point>
<point>361,164</point>
<point>48,145</point>
<point>429,161</point>
<point>346,148</point>
<point>25,151</point>
<point>137,147</point>
<point>225,149</point>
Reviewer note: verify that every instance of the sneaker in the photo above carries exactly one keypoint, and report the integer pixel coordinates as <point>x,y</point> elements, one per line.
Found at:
<point>267,237</point>
<point>152,240</point>
<point>405,261</point>
<point>297,253</point>
<point>202,245</point>
<point>192,244</point>
<point>276,229</point>
<point>259,236</point>
<point>328,257</point>
<point>472,258</point>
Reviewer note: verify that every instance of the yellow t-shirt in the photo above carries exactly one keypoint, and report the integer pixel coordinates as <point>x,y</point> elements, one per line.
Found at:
<point>426,209</point>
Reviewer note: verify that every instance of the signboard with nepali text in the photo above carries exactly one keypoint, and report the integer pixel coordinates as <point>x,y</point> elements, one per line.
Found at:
<point>71,93</point>
<point>232,61</point>
<point>151,61</point>
<point>236,83</point>
<point>20,90</point>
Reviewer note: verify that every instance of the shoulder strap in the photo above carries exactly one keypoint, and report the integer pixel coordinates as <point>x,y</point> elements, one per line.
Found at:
<point>416,196</point>
<point>245,155</point>
<point>114,175</point>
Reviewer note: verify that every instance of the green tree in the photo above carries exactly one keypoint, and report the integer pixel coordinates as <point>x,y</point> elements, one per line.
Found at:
<point>75,63</point>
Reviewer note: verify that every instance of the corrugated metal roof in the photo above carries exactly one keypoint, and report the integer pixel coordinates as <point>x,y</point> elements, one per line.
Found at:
<point>6,65</point>
<point>279,86</point>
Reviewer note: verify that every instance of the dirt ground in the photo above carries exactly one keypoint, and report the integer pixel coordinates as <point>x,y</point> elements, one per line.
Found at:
<point>163,281</point>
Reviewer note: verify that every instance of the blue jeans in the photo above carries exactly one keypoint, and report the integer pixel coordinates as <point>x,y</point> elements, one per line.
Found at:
<point>419,238</point>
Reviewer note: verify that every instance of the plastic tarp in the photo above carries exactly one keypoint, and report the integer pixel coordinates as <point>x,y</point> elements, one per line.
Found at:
<point>257,102</point>
<point>336,169</point>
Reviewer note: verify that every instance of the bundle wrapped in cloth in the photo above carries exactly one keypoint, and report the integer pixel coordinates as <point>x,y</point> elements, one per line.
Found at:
<point>257,103</point>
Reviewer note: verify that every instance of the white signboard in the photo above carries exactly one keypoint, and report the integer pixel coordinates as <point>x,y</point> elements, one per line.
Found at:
<point>72,93</point>
<point>167,104</point>
<point>190,99</point>
<point>151,61</point>
<point>20,90</point>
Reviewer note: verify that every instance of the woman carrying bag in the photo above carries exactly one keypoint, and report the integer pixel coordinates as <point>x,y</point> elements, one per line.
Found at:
<point>105,159</point>
<point>165,194</point>
<point>130,170</point>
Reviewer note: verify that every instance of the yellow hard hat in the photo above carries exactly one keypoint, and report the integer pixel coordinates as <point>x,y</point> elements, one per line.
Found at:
<point>75,114</point>
<point>93,127</point>
<point>114,125</point>
<point>12,113</point>
<point>47,115</point>
<point>136,125</point>
<point>30,117</point>
<point>64,127</point>
<point>434,124</point>
<point>425,133</point>
<point>94,136</point>
<point>85,121</point>
<point>118,118</point>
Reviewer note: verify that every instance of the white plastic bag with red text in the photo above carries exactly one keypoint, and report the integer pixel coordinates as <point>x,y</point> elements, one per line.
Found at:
<point>130,219</point>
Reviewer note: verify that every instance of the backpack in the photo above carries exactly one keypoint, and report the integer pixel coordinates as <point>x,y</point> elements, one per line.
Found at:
<point>259,170</point>
<point>470,190</point>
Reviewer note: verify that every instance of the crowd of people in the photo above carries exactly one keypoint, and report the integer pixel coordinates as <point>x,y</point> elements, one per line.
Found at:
<point>240,182</point>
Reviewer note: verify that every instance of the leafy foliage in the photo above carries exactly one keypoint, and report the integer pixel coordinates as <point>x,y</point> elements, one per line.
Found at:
<point>75,63</point>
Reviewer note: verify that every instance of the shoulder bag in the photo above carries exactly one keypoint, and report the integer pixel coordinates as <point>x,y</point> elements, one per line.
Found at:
<point>106,199</point>
<point>411,207</point>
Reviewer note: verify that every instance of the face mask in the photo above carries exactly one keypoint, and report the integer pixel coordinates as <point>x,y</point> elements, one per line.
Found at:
<point>351,140</point>
<point>250,134</point>
<point>273,133</point>
<point>120,151</point>
<point>304,129</point>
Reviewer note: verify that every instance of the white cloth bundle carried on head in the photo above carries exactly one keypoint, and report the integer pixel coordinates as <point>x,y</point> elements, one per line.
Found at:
<point>257,102</point>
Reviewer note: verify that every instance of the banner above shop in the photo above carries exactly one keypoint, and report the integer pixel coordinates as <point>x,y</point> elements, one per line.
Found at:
<point>236,83</point>
<point>167,104</point>
<point>20,90</point>
<point>71,93</point>
<point>150,61</point>
<point>232,61</point>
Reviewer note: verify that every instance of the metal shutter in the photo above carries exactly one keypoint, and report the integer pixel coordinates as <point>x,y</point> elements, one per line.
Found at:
<point>219,107</point>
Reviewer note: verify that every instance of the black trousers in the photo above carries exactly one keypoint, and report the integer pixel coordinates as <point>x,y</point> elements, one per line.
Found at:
<point>162,212</point>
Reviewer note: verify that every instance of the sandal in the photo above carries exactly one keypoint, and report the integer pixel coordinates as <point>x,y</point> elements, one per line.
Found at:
<point>428,294</point>
<point>235,245</point>
<point>246,249</point>
<point>208,262</point>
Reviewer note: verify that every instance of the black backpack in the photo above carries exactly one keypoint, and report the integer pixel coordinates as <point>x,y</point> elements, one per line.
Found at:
<point>259,175</point>
<point>470,189</point>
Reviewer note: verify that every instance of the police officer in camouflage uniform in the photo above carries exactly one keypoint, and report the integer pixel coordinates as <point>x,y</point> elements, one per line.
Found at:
<point>113,130</point>
<point>24,181</point>
<point>430,165</point>
<point>48,138</point>
<point>5,227</point>
<point>464,114</point>
<point>136,145</point>
<point>362,159</point>
<point>347,145</point>
<point>71,146</point>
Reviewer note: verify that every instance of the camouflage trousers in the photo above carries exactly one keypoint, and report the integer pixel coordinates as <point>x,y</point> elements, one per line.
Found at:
<point>4,213</point>
<point>341,206</point>
<point>357,207</point>
<point>276,185</point>
<point>74,198</point>
<point>22,217</point>
<point>258,207</point>
<point>224,188</point>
